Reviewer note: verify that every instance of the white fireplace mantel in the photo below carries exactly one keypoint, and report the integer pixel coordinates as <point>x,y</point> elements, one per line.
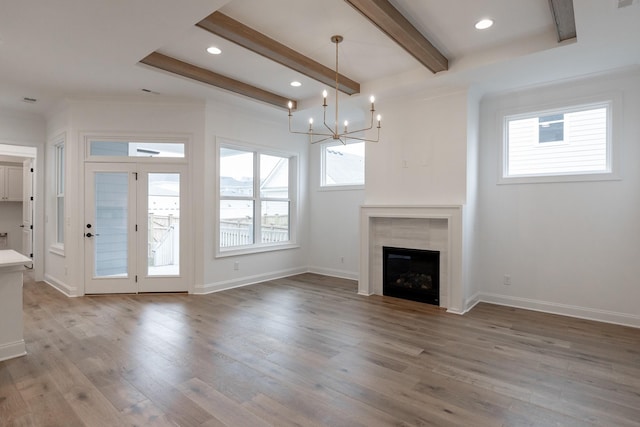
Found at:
<point>451,285</point>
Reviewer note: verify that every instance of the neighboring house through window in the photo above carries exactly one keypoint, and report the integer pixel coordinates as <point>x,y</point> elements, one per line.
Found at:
<point>342,165</point>
<point>570,143</point>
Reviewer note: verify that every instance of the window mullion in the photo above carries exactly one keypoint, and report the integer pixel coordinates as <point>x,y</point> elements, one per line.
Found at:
<point>257,206</point>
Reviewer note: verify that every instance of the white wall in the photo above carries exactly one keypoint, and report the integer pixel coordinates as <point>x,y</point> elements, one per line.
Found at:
<point>471,244</point>
<point>334,218</point>
<point>253,127</point>
<point>570,248</point>
<point>421,158</point>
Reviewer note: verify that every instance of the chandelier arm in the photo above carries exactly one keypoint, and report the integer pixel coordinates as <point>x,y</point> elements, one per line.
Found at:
<point>320,140</point>
<point>359,130</point>
<point>307,132</point>
<point>363,139</point>
<point>312,133</point>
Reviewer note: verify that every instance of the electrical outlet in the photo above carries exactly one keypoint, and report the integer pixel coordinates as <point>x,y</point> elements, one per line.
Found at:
<point>236,265</point>
<point>507,280</point>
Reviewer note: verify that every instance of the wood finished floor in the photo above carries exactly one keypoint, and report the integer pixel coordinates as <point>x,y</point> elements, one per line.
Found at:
<point>308,351</point>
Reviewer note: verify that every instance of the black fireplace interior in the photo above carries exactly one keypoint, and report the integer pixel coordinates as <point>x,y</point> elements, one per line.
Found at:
<point>412,274</point>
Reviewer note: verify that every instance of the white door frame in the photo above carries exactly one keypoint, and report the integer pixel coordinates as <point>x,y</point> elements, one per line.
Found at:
<point>137,278</point>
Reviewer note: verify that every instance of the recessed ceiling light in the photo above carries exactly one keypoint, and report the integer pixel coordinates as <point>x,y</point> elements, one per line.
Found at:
<point>296,84</point>
<point>214,50</point>
<point>483,24</point>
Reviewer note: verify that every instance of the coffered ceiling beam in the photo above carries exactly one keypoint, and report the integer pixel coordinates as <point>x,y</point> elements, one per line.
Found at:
<point>190,71</point>
<point>564,18</point>
<point>238,33</point>
<point>391,22</point>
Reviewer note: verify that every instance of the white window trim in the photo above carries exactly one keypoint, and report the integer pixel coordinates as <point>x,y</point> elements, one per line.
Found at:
<point>335,187</point>
<point>60,176</point>
<point>294,196</point>
<point>614,118</point>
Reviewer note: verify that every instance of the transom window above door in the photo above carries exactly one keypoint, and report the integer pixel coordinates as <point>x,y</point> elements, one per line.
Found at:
<point>101,149</point>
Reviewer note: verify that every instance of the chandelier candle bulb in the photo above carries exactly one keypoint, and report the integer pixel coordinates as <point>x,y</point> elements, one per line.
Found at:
<point>324,96</point>
<point>379,120</point>
<point>372,99</point>
<point>346,123</point>
<point>310,124</point>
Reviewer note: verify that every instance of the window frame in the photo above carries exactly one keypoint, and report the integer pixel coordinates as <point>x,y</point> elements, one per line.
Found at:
<point>60,186</point>
<point>293,196</point>
<point>323,164</point>
<point>611,101</point>
<point>182,139</point>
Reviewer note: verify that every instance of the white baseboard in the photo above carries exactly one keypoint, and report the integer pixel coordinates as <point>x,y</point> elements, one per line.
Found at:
<point>472,302</point>
<point>341,274</point>
<point>60,286</point>
<point>12,349</point>
<point>606,316</point>
<point>246,281</point>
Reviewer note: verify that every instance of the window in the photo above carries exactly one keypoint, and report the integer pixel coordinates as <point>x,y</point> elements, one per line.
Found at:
<point>59,159</point>
<point>342,165</point>
<point>256,198</point>
<point>135,149</point>
<point>558,143</point>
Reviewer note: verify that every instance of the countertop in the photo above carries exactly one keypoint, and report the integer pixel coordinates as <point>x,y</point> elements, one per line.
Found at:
<point>10,258</point>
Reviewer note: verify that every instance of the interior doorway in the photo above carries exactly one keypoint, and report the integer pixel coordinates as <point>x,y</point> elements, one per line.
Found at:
<point>19,227</point>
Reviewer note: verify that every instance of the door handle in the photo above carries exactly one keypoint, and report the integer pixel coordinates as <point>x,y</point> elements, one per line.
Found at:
<point>91,235</point>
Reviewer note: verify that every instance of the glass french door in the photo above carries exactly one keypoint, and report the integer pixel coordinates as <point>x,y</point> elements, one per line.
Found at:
<point>133,239</point>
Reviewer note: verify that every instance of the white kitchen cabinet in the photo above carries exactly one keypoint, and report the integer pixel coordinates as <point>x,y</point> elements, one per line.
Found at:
<point>11,184</point>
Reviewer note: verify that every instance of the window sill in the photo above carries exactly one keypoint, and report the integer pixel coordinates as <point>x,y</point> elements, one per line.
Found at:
<point>254,250</point>
<point>341,187</point>
<point>57,249</point>
<point>550,179</point>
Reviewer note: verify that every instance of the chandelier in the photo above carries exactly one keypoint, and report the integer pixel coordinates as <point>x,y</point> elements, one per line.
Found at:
<point>328,132</point>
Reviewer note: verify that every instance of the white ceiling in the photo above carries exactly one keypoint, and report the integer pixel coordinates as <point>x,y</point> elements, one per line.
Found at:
<point>50,50</point>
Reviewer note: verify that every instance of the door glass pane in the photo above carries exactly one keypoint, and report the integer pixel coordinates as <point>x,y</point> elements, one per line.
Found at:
<point>163,224</point>
<point>111,217</point>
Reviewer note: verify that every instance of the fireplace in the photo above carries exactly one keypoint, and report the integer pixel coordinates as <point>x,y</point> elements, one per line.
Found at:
<point>437,228</point>
<point>412,274</point>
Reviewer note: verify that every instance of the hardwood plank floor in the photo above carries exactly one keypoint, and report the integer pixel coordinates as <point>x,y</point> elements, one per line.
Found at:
<point>308,351</point>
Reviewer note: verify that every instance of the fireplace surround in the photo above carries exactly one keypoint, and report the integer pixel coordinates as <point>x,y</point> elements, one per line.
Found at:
<point>418,227</point>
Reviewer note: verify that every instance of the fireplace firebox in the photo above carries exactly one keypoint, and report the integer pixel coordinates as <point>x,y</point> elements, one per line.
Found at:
<point>412,274</point>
